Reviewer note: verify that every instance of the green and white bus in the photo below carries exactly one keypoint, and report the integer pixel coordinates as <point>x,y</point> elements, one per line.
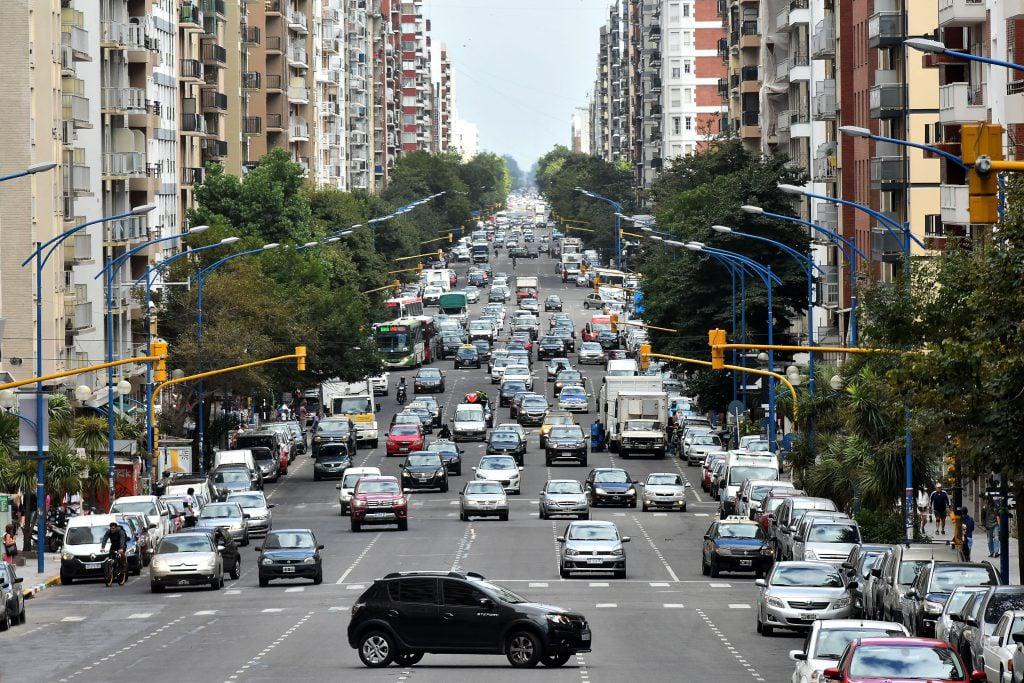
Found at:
<point>402,342</point>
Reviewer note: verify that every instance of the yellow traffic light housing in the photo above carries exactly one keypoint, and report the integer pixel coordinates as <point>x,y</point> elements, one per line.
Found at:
<point>419,267</point>
<point>716,337</point>
<point>159,347</point>
<point>440,254</point>
<point>981,144</point>
<point>615,322</point>
<point>300,360</point>
<point>451,238</point>
<point>645,356</point>
<point>397,284</point>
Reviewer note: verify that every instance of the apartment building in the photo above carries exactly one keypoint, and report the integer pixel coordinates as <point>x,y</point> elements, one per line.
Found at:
<point>445,99</point>
<point>580,125</point>
<point>612,88</point>
<point>356,110</point>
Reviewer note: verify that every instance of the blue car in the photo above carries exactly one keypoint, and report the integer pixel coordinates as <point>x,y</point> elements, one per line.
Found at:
<point>736,544</point>
<point>573,399</point>
<point>611,486</point>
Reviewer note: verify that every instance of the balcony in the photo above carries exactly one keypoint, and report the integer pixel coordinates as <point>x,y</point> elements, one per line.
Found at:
<point>193,124</point>
<point>885,247</point>
<point>78,249</point>
<point>297,57</point>
<point>888,170</point>
<point>251,80</point>
<point>823,40</point>
<point>782,123</point>
<point>828,286</point>
<point>273,7</point>
<point>825,167</point>
<point>751,127</point>
<point>214,149</point>
<point>250,35</point>
<point>76,179</point>
<point>124,100</point>
<point>273,45</point>
<point>750,34</point>
<point>214,102</point>
<point>190,16</point>
<point>955,204</point>
<point>886,101</point>
<point>782,70</point>
<point>217,7</point>
<point>750,80</point>
<point>825,106</point>
<point>114,35</point>
<point>298,94</point>
<point>297,22</point>
<point>252,125</point>
<point>961,12</point>
<point>214,55</point>
<point>274,123</point>
<point>1014,103</point>
<point>129,229</point>
<point>78,318</point>
<point>190,70</point>
<point>299,130</point>
<point>124,165</point>
<point>74,35</point>
<point>885,27</point>
<point>962,103</point>
<point>75,108</point>
<point>274,83</point>
<point>827,215</point>
<point>192,175</point>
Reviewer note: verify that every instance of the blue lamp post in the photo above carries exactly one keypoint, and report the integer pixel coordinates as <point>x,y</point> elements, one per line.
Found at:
<point>618,222</point>
<point>31,170</point>
<point>934,46</point>
<point>40,255</point>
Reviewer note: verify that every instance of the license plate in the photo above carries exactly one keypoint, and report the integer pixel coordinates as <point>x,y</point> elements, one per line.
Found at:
<point>746,563</point>
<point>288,570</point>
<point>595,560</point>
<point>486,507</point>
<point>379,515</point>
<point>809,616</point>
<point>182,582</point>
<point>585,637</point>
<point>93,565</point>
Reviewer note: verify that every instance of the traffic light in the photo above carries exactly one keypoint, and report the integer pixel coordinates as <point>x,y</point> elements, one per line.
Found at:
<point>615,323</point>
<point>451,238</point>
<point>981,144</point>
<point>645,356</point>
<point>397,284</point>
<point>158,347</point>
<point>715,338</point>
<point>419,267</point>
<point>300,360</point>
<point>440,254</point>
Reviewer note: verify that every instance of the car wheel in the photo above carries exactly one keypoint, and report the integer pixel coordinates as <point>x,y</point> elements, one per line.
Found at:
<point>444,487</point>
<point>541,514</point>
<point>264,581</point>
<point>23,617</point>
<point>759,627</point>
<point>644,508</point>
<point>403,525</point>
<point>356,526</point>
<point>376,649</point>
<point>408,658</point>
<point>563,572</point>
<point>585,516</point>
<point>155,588</point>
<point>65,580</point>
<point>374,443</point>
<point>216,583</point>
<point>555,660</point>
<point>245,539</point>
<point>236,571</point>
<point>319,578</point>
<point>503,516</point>
<point>463,516</point>
<point>523,650</point>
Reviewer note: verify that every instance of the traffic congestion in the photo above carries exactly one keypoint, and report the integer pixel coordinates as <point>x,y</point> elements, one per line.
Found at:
<point>524,483</point>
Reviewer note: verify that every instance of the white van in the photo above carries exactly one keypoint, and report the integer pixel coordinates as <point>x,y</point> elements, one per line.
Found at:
<point>348,484</point>
<point>469,422</point>
<point>156,513</point>
<point>738,469</point>
<point>621,367</point>
<point>241,456</point>
<point>81,557</point>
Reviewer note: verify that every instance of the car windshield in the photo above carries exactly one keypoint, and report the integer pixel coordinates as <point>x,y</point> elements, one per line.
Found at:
<point>185,544</point>
<point>487,487</point>
<point>740,531</point>
<point>760,491</point>
<point>333,427</point>
<point>558,420</point>
<point>354,404</point>
<point>1001,602</point>
<point>144,506</point>
<point>377,487</point>
<point>905,663</point>
<point>587,532</point>
<point>738,475</point>
<point>83,535</point>
<point>643,425</point>
<point>230,477</point>
<point>497,464</point>
<point>611,477</point>
<point>505,438</point>
<point>534,402</point>
<point>707,440</point>
<point>802,575</point>
<point>442,448</point>
<point>564,487</point>
<point>567,432</point>
<point>429,373</point>
<point>832,641</point>
<point>423,460</point>
<point>758,447</point>
<point>406,429</point>
<point>289,539</point>
<point>248,500</point>
<point>664,480</point>
<point>569,375</point>
<point>834,533</point>
<point>219,511</point>
<point>909,569</point>
<point>590,346</point>
<point>945,579</point>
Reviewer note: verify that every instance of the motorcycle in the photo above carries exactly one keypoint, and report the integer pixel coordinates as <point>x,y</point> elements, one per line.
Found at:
<point>400,394</point>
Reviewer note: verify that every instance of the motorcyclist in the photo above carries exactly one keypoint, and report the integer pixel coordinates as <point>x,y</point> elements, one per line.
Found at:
<point>445,432</point>
<point>401,392</point>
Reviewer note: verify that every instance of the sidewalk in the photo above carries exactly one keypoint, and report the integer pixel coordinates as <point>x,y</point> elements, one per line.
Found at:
<point>34,581</point>
<point>973,502</point>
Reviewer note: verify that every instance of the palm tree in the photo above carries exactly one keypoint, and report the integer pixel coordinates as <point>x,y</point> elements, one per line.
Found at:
<point>63,471</point>
<point>23,478</point>
<point>8,433</point>
<point>61,416</point>
<point>90,433</point>
<point>95,476</point>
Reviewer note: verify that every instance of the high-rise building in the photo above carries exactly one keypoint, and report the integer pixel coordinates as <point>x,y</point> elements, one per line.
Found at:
<point>580,124</point>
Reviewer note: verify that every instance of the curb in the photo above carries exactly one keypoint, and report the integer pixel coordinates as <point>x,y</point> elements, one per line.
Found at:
<point>32,590</point>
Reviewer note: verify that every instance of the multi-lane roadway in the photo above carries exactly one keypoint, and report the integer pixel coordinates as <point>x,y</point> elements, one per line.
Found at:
<point>664,622</point>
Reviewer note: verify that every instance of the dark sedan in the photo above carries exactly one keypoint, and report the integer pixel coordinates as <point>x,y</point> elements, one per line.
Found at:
<point>550,347</point>
<point>607,339</point>
<point>428,380</point>
<point>552,303</point>
<point>532,410</point>
<point>566,335</point>
<point>483,348</point>
<point>611,486</point>
<point>290,554</point>
<point>735,545</point>
<point>565,378</point>
<point>450,453</point>
<point>509,388</point>
<point>507,443</point>
<point>450,345</point>
<point>467,357</point>
<point>331,461</point>
<point>424,470</point>
<point>334,430</point>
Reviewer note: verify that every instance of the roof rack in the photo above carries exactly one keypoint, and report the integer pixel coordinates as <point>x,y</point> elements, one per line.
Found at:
<point>454,575</point>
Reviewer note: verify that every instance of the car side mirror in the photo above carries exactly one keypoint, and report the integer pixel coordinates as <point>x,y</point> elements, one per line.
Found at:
<point>19,579</point>
<point>321,546</point>
<point>486,603</point>
<point>626,539</point>
<point>978,676</point>
<point>853,584</point>
<point>798,655</point>
<point>520,469</point>
<point>953,616</point>
<point>876,571</point>
<point>707,537</point>
<point>474,469</point>
<point>151,526</point>
<point>1018,638</point>
<point>912,593</point>
<point>246,516</point>
<point>337,486</point>
<point>745,499</point>
<point>971,621</point>
<point>220,548</point>
<point>560,539</point>
<point>271,506</point>
<point>258,548</point>
<point>831,674</point>
<point>760,582</point>
<point>847,566</point>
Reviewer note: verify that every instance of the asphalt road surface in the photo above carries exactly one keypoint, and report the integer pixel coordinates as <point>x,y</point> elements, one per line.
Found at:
<point>664,622</point>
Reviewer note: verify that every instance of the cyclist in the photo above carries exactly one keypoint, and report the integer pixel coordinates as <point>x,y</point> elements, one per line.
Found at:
<point>118,543</point>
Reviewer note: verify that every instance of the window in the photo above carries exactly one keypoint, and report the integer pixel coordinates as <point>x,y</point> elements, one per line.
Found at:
<point>416,590</point>
<point>676,73</point>
<point>687,37</point>
<point>675,125</point>
<point>461,594</point>
<point>688,66</point>
<point>689,95</point>
<point>689,123</point>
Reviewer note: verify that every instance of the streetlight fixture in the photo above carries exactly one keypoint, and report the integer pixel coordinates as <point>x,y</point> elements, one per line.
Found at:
<point>617,208</point>
<point>860,132</point>
<point>83,393</point>
<point>936,47</point>
<point>31,170</point>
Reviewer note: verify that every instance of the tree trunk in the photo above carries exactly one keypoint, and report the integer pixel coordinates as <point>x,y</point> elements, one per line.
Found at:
<point>26,531</point>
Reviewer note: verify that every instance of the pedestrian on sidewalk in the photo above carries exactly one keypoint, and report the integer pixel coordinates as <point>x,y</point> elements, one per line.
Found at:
<point>990,520</point>
<point>923,507</point>
<point>10,543</point>
<point>940,508</point>
<point>968,529</point>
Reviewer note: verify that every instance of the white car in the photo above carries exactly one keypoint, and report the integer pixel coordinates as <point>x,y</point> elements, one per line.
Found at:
<point>664,490</point>
<point>520,372</point>
<point>156,514</point>
<point>472,294</point>
<point>590,352</point>
<point>1000,649</point>
<point>827,640</point>
<point>501,468</point>
<point>348,484</point>
<point>498,366</point>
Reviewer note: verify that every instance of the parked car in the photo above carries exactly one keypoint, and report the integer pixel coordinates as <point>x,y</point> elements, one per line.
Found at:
<point>796,594</point>
<point>592,546</point>
<point>897,573</point>
<point>902,659</point>
<point>998,650</point>
<point>825,539</point>
<point>922,603</point>
<point>12,597</point>
<point>858,568</point>
<point>980,619</point>
<point>480,498</point>
<point>290,554</point>
<point>956,602</point>
<point>563,497</point>
<point>827,641</point>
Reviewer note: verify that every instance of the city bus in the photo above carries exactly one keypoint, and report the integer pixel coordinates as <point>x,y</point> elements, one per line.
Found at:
<point>610,277</point>
<point>401,342</point>
<point>405,306</point>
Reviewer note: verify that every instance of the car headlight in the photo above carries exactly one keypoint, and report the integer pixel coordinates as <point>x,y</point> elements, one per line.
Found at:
<point>775,602</point>
<point>405,473</point>
<point>570,551</point>
<point>841,603</point>
<point>599,491</point>
<point>617,551</point>
<point>266,560</point>
<point>67,557</point>
<point>724,551</point>
<point>309,560</point>
<point>559,619</point>
<point>439,472</point>
<point>157,564</point>
<point>766,550</point>
<point>631,491</point>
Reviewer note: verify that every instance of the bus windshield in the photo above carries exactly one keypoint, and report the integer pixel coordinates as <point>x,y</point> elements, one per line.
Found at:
<point>393,341</point>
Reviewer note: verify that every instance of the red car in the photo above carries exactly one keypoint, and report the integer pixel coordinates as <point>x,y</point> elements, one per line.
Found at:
<point>770,503</point>
<point>709,464</point>
<point>404,438</point>
<point>901,660</point>
<point>379,500</point>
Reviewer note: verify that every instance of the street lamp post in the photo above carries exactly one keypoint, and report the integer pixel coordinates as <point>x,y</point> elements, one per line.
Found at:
<point>618,222</point>
<point>936,47</point>
<point>31,170</point>
<point>40,255</point>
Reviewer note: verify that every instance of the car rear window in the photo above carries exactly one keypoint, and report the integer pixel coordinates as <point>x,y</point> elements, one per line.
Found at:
<point>1001,602</point>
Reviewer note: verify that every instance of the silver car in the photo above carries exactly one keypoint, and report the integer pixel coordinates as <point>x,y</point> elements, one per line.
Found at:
<point>590,352</point>
<point>796,594</point>
<point>187,559</point>
<point>255,504</point>
<point>827,641</point>
<point>563,497</point>
<point>483,499</point>
<point>664,491</point>
<point>697,445</point>
<point>826,539</point>
<point>227,516</point>
<point>592,546</point>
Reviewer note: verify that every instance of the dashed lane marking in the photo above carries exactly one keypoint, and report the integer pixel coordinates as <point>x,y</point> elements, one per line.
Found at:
<point>658,584</point>
<point>657,552</point>
<point>265,651</point>
<point>272,610</point>
<point>729,646</point>
<point>140,615</point>
<point>672,605</point>
<point>598,584</point>
<point>152,634</point>
<point>359,558</point>
<point>538,584</point>
<point>462,551</point>
<point>205,613</point>
<point>234,591</point>
<point>738,605</point>
<point>73,619</point>
<point>606,605</point>
<point>295,589</point>
<point>720,585</point>
<point>355,587</point>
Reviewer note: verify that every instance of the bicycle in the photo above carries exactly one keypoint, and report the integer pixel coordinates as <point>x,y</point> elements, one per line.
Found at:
<point>120,572</point>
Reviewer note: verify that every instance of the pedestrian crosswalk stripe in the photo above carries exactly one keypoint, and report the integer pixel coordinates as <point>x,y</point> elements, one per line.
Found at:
<point>140,615</point>
<point>295,589</point>
<point>673,605</point>
<point>538,584</point>
<point>73,619</point>
<point>720,585</point>
<point>205,613</point>
<point>658,585</point>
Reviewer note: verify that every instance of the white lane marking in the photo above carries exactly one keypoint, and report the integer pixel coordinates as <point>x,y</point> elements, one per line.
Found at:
<point>606,605</point>
<point>272,610</point>
<point>355,587</point>
<point>337,608</point>
<point>538,584</point>
<point>462,551</point>
<point>738,605</point>
<point>265,651</point>
<point>136,643</point>
<point>234,591</point>
<point>295,589</point>
<point>720,585</point>
<point>598,584</point>
<point>655,548</point>
<point>729,646</point>
<point>673,605</point>
<point>657,584</point>
<point>73,619</point>
<point>205,613</point>
<point>701,514</point>
<point>359,558</point>
<point>140,615</point>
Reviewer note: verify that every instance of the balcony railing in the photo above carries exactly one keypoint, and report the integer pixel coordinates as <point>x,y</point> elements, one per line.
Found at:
<point>76,179</point>
<point>250,35</point>
<point>215,7</point>
<point>887,169</point>
<point>251,80</point>
<point>954,203</point>
<point>274,121</point>
<point>130,164</point>
<point>190,69</point>
<point>127,229</point>
<point>297,21</point>
<point>823,40</point>
<point>214,55</point>
<point>124,99</point>
<point>298,93</point>
<point>885,28</point>
<point>190,15</point>
<point>75,109</point>
<point>79,317</point>
<point>751,118</point>
<point>299,130</point>
<point>827,215</point>
<point>273,81</point>
<point>74,34</point>
<point>252,125</point>
<point>193,123</point>
<point>297,55</point>
<point>214,101</point>
<point>825,105</point>
<point>273,43</point>
<point>828,286</point>
<point>886,100</point>
<point>215,149</point>
<point>962,103</point>
<point>192,175</point>
<point>826,164</point>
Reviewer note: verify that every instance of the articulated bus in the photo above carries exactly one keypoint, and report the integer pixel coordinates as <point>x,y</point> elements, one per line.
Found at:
<point>405,306</point>
<point>402,342</point>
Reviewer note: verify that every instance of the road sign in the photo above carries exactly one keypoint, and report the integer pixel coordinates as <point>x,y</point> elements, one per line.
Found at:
<point>27,438</point>
<point>639,308</point>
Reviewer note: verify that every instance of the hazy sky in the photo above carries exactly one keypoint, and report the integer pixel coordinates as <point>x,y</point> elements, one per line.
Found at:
<point>521,67</point>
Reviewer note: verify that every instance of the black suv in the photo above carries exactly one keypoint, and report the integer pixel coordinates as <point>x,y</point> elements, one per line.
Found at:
<point>507,443</point>
<point>565,442</point>
<point>424,470</point>
<point>406,615</point>
<point>550,347</point>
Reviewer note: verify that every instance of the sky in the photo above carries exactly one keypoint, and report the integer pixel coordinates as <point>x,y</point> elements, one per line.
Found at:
<point>521,67</point>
